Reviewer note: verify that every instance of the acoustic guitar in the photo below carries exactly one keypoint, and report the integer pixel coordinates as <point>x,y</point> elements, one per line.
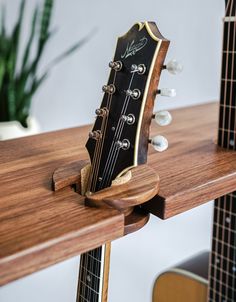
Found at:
<point>119,139</point>
<point>213,278</point>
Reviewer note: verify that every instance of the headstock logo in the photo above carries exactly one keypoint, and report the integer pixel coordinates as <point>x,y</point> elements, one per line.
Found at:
<point>132,48</point>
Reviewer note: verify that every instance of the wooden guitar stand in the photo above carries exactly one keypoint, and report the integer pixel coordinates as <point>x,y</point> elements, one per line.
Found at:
<point>125,194</point>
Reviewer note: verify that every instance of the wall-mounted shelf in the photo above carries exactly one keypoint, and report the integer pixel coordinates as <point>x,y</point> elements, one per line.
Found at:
<point>39,227</point>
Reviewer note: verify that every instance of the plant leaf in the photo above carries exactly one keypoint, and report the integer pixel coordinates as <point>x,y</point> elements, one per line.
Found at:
<point>31,37</point>
<point>15,40</point>
<point>3,21</point>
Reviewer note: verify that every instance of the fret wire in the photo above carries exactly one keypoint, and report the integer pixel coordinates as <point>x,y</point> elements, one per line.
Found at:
<point>91,273</point>
<point>230,287</point>
<point>84,298</point>
<point>222,295</point>
<point>94,258</point>
<point>228,80</point>
<point>85,284</point>
<point>228,130</point>
<point>228,229</point>
<point>228,106</point>
<point>229,212</point>
<point>217,255</point>
<point>223,271</point>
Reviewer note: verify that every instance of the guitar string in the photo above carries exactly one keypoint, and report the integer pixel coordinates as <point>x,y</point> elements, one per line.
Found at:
<point>219,245</point>
<point>103,131</point>
<point>234,254</point>
<point>230,239</point>
<point>96,251</point>
<point>108,105</point>
<point>228,248</point>
<point>217,213</point>
<point>233,199</point>
<point>231,88</point>
<point>213,269</point>
<point>84,257</point>
<point>116,151</point>
<point>227,25</point>
<point>234,72</point>
<point>113,142</point>
<point>224,283</point>
<point>99,145</point>
<point>115,154</point>
<point>225,143</point>
<point>98,142</point>
<point>113,146</point>
<point>229,140</point>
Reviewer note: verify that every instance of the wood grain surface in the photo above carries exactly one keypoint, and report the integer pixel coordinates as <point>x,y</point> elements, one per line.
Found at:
<point>39,227</point>
<point>193,170</point>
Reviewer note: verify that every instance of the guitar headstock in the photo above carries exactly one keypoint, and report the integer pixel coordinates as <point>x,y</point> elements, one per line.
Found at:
<point>120,136</point>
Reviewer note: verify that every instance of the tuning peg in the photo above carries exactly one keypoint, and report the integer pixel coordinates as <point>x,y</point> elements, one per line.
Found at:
<point>169,92</point>
<point>163,118</point>
<point>134,94</point>
<point>95,134</point>
<point>140,69</point>
<point>116,65</point>
<point>159,143</point>
<point>101,111</point>
<point>110,89</point>
<point>174,67</point>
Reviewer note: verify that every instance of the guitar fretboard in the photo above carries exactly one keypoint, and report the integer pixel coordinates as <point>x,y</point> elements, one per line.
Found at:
<point>222,273</point>
<point>227,115</point>
<point>223,257</point>
<point>90,279</point>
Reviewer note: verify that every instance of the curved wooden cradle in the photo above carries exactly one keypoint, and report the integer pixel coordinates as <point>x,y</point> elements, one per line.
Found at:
<point>125,197</point>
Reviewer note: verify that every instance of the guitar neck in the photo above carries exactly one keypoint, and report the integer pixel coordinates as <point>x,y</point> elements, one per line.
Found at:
<point>222,272</point>
<point>223,257</point>
<point>93,276</point>
<point>227,114</point>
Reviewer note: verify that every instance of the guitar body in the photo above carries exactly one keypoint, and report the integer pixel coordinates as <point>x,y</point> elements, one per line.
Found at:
<point>188,282</point>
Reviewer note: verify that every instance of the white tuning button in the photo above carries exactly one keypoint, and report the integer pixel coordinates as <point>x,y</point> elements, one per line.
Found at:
<point>174,67</point>
<point>159,143</point>
<point>169,92</point>
<point>163,118</point>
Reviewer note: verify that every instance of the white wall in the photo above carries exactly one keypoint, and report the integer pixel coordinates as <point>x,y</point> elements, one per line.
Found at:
<point>69,98</point>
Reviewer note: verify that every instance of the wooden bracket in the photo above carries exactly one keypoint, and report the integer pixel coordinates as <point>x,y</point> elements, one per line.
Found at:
<point>126,197</point>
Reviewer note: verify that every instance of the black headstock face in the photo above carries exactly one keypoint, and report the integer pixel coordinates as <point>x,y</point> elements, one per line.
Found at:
<point>119,139</point>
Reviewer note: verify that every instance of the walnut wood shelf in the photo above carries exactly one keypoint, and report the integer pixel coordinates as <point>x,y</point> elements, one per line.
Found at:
<point>39,227</point>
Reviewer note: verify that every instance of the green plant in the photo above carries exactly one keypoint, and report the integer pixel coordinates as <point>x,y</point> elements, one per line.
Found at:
<point>19,79</point>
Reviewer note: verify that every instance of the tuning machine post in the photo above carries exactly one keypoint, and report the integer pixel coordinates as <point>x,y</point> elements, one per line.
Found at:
<point>110,89</point>
<point>116,65</point>
<point>96,135</point>
<point>140,69</point>
<point>134,94</point>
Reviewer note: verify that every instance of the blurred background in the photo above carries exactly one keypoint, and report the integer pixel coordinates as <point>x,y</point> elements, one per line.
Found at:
<point>72,91</point>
